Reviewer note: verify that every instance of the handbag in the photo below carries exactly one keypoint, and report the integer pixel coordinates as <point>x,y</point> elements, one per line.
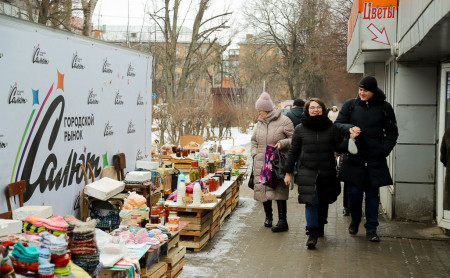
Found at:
<point>251,182</point>
<point>278,165</point>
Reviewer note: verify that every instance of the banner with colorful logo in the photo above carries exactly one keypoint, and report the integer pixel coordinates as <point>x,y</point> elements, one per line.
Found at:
<point>67,101</point>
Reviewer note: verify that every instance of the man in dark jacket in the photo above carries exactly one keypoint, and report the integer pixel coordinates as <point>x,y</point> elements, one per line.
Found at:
<point>370,116</point>
<point>296,112</point>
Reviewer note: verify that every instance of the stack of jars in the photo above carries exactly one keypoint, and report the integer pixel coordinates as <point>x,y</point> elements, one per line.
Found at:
<point>174,219</point>
<point>139,217</point>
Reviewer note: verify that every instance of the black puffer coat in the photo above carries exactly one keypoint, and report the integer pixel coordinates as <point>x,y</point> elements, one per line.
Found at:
<point>295,115</point>
<point>313,147</point>
<point>379,134</point>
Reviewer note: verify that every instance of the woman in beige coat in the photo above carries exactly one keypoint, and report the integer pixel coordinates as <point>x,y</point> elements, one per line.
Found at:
<point>273,128</point>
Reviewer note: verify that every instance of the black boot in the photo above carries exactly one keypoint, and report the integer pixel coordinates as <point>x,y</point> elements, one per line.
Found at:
<point>282,225</point>
<point>321,231</point>
<point>268,210</point>
<point>312,238</point>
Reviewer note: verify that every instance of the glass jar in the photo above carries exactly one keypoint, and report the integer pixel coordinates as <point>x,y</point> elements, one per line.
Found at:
<point>194,174</point>
<point>185,152</point>
<point>174,149</point>
<point>173,210</point>
<point>155,210</point>
<point>178,151</point>
<point>154,219</point>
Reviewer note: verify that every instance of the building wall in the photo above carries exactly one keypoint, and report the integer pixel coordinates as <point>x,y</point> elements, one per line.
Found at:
<point>415,105</point>
<point>416,18</point>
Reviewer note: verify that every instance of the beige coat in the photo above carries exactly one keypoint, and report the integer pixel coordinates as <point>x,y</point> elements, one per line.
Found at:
<point>276,128</point>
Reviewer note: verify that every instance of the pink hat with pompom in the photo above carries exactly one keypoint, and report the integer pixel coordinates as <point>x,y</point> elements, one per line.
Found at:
<point>264,103</point>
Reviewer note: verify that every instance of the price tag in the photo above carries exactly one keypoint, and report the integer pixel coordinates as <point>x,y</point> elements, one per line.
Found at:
<point>209,199</point>
<point>187,200</point>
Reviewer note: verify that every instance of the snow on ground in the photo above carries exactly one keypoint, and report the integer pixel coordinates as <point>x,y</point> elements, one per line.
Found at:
<point>222,242</point>
<point>239,139</point>
<point>198,264</point>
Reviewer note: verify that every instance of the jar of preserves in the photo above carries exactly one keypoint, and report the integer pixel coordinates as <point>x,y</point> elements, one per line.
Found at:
<point>185,152</point>
<point>154,219</point>
<point>173,209</point>
<point>194,173</point>
<point>155,210</point>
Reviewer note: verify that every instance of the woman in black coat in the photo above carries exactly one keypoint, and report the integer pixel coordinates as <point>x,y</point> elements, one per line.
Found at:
<point>313,145</point>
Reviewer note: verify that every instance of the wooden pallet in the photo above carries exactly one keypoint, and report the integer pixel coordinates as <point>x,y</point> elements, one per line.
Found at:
<point>174,256</point>
<point>195,245</point>
<point>215,227</point>
<point>157,270</point>
<point>197,225</point>
<point>173,242</point>
<point>176,270</point>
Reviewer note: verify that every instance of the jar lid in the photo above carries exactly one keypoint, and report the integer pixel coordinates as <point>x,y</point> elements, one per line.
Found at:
<point>173,212</point>
<point>142,209</point>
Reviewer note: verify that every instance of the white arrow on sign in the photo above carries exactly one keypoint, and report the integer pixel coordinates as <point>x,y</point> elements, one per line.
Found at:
<point>380,36</point>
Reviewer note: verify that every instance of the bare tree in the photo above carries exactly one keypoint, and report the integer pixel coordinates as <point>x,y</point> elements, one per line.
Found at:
<point>296,29</point>
<point>58,13</point>
<point>203,42</point>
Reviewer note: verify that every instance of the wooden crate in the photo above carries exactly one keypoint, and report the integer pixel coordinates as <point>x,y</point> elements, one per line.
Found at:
<point>157,270</point>
<point>215,226</point>
<point>176,269</point>
<point>195,245</point>
<point>173,242</point>
<point>198,221</point>
<point>175,255</point>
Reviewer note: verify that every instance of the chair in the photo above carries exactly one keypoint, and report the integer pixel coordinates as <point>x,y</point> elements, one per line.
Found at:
<point>85,200</point>
<point>109,172</point>
<point>13,189</point>
<point>120,163</point>
<point>6,215</point>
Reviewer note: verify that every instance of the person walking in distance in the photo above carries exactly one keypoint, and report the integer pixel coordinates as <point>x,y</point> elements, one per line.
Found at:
<point>333,113</point>
<point>273,128</point>
<point>313,145</point>
<point>373,119</point>
<point>296,112</point>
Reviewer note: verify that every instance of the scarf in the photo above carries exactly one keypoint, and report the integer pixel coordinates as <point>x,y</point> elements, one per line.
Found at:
<point>316,123</point>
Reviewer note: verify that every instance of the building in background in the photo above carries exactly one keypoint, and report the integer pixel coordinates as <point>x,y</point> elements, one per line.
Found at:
<point>406,46</point>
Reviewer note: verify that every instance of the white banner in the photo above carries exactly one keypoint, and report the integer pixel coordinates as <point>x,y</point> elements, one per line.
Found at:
<point>67,100</point>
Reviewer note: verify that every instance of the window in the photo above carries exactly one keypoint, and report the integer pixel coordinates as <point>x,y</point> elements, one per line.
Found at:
<point>186,48</point>
<point>178,50</point>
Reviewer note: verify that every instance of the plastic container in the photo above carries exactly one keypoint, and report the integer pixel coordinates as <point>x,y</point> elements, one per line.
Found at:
<point>181,189</point>
<point>174,220</point>
<point>173,227</point>
<point>197,194</point>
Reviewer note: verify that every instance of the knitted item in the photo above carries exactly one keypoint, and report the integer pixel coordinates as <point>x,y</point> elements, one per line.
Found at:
<point>25,254</point>
<point>85,227</point>
<point>35,220</point>
<point>43,252</point>
<point>56,232</point>
<point>47,275</point>
<point>45,268</point>
<point>57,245</point>
<point>29,227</point>
<point>61,261</point>
<point>62,271</point>
<point>19,265</point>
<point>56,223</point>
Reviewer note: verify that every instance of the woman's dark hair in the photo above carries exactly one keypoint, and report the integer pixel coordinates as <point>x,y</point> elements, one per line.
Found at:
<point>315,99</point>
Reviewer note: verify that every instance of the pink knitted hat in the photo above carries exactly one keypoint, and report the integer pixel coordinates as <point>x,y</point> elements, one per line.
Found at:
<point>264,103</point>
<point>56,223</point>
<point>35,220</point>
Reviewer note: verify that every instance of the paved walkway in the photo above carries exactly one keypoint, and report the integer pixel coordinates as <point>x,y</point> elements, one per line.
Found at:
<point>245,248</point>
